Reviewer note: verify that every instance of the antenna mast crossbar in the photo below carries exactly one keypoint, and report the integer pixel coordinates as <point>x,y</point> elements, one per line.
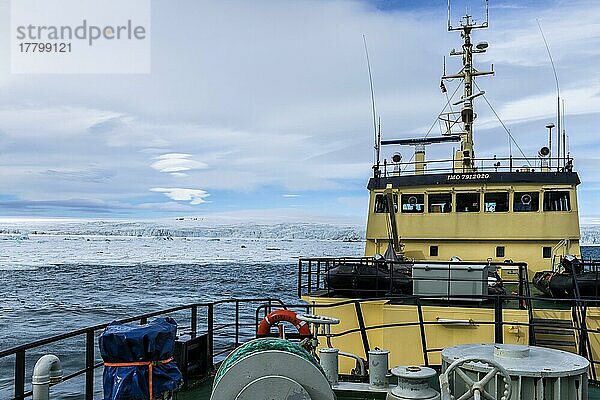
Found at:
<point>467,74</point>
<point>421,141</point>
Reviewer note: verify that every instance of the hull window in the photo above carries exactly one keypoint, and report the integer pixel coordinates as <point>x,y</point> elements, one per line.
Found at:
<point>440,203</point>
<point>433,251</point>
<point>467,202</point>
<point>557,201</point>
<point>413,203</point>
<point>495,202</point>
<point>547,252</point>
<point>500,251</point>
<point>526,202</point>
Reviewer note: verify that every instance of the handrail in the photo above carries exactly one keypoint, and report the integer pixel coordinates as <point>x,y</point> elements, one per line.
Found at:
<point>529,306</point>
<point>497,322</point>
<point>579,312</point>
<point>382,274</point>
<point>494,164</point>
<point>266,305</point>
<point>90,363</point>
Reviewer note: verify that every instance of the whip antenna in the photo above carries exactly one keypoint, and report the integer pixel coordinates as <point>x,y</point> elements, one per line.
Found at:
<point>375,134</point>
<point>557,94</point>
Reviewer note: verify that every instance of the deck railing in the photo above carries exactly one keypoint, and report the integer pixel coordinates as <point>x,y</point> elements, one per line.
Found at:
<point>497,303</point>
<point>211,318</point>
<point>482,165</point>
<point>315,275</point>
<point>230,323</point>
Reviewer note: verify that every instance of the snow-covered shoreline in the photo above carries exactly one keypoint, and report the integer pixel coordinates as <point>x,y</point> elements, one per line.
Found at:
<point>192,228</point>
<point>187,228</point>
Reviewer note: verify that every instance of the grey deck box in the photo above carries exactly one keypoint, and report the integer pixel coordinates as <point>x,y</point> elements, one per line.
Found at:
<point>450,281</point>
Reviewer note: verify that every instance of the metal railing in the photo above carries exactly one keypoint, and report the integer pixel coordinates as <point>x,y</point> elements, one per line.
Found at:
<point>316,274</point>
<point>209,325</point>
<point>497,322</point>
<point>482,165</point>
<point>229,323</point>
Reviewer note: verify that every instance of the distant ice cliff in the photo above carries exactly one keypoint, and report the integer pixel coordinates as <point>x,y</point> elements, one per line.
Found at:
<point>187,228</point>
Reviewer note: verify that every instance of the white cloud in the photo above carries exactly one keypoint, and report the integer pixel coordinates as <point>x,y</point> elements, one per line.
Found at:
<point>194,196</point>
<point>571,29</point>
<point>177,163</point>
<point>276,96</point>
<point>542,106</point>
<point>46,122</point>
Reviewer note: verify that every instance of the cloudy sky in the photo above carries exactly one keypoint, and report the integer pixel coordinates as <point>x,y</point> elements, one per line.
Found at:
<point>263,107</point>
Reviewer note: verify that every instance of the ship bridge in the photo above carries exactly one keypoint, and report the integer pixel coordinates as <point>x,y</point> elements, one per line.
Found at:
<point>497,209</point>
<point>505,209</point>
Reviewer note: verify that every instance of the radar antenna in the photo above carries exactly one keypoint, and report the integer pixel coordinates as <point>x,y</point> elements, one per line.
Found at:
<point>466,157</point>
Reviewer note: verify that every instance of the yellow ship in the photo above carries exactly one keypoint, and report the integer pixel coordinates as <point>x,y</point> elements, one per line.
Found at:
<point>453,246</point>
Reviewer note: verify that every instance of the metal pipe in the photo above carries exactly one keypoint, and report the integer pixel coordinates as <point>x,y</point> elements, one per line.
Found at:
<point>47,370</point>
<point>359,362</point>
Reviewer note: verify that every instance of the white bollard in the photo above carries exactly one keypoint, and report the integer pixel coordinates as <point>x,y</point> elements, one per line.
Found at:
<point>47,370</point>
<point>378,368</point>
<point>329,363</point>
<point>413,384</point>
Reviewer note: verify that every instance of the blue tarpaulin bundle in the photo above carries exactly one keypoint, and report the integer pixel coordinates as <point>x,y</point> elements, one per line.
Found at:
<point>141,344</point>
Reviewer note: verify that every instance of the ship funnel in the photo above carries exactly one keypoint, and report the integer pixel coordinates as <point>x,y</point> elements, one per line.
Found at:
<point>419,160</point>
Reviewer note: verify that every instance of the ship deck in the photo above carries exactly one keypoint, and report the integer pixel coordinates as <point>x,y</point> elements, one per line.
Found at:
<point>224,325</point>
<point>201,391</point>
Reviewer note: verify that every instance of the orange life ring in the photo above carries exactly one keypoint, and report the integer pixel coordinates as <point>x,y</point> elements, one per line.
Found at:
<point>264,329</point>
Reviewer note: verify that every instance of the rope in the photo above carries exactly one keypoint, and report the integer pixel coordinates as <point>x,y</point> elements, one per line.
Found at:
<point>149,364</point>
<point>258,345</point>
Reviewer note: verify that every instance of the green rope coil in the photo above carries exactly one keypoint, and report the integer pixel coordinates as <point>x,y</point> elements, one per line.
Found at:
<point>258,345</point>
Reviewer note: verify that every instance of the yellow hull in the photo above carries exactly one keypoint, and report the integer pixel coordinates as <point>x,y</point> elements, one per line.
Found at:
<point>442,327</point>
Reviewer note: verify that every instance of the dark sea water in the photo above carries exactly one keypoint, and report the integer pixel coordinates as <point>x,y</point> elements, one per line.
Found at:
<point>54,284</point>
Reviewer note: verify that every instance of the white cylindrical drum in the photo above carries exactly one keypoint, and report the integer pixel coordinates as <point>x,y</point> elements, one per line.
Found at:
<point>413,384</point>
<point>329,363</point>
<point>378,368</point>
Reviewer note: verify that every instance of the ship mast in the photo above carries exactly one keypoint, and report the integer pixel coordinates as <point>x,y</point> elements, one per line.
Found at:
<point>466,156</point>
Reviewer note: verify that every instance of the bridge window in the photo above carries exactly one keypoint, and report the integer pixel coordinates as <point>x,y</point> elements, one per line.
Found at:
<point>495,202</point>
<point>440,202</point>
<point>381,205</point>
<point>526,202</point>
<point>557,201</point>
<point>467,202</point>
<point>413,203</point>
